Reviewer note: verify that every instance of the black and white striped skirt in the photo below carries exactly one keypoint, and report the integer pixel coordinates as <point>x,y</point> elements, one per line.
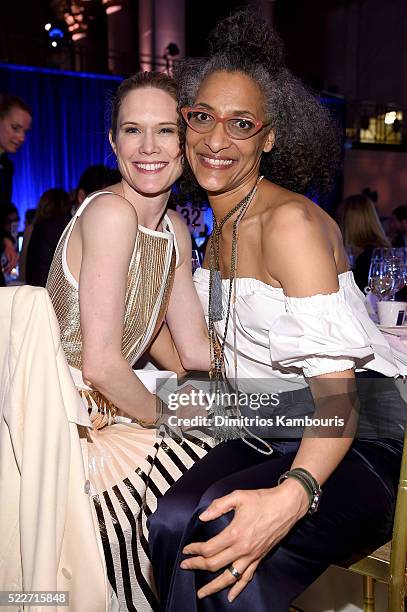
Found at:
<point>129,469</point>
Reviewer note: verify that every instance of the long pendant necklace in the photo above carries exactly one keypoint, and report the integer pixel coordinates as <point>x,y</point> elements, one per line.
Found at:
<point>215,302</point>
<point>215,279</point>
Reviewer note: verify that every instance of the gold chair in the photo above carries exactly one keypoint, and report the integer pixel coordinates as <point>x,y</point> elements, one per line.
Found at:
<point>388,564</point>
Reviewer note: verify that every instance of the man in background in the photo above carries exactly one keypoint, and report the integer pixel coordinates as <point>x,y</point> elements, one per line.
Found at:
<point>94,178</point>
<point>399,226</point>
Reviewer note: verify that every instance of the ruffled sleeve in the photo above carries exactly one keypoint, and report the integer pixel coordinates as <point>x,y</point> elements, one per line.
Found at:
<point>318,335</point>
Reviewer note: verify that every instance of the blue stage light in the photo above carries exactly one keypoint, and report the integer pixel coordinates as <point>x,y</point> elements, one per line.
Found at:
<point>55,33</point>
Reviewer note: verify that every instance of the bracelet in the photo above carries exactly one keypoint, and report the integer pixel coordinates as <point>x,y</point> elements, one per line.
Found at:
<point>149,424</point>
<point>309,483</point>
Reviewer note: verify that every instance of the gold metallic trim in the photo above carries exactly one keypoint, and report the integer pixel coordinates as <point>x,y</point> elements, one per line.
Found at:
<point>101,411</point>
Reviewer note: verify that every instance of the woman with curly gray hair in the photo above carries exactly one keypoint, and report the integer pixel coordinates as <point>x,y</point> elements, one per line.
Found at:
<point>246,525</point>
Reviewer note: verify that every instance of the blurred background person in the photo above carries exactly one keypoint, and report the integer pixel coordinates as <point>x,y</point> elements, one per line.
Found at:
<point>399,226</point>
<point>362,232</point>
<point>55,210</point>
<point>52,216</point>
<point>8,255</point>
<point>94,178</point>
<point>26,236</point>
<point>11,220</point>
<point>15,121</point>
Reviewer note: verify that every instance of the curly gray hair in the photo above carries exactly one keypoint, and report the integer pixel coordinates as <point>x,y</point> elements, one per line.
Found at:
<point>307,150</point>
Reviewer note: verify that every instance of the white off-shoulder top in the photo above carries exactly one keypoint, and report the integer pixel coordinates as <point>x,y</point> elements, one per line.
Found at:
<point>290,338</point>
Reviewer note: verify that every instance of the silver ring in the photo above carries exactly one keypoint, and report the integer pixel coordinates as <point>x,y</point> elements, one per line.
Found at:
<point>235,573</point>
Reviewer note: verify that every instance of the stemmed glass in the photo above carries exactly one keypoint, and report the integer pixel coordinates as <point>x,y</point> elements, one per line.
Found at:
<point>380,280</point>
<point>396,268</point>
<point>381,253</point>
<point>402,254</point>
<point>386,274</point>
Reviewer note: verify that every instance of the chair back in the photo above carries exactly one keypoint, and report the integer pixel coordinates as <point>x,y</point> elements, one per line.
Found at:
<point>398,559</point>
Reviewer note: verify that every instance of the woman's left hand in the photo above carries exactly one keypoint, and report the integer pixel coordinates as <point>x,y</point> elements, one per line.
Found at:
<point>262,518</point>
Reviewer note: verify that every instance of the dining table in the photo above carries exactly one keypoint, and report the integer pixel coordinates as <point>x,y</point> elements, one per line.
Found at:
<point>338,590</point>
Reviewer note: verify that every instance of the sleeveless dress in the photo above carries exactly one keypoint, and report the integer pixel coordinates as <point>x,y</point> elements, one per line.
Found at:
<point>130,467</point>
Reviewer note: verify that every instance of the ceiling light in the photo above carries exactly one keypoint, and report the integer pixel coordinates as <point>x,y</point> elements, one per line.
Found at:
<point>390,117</point>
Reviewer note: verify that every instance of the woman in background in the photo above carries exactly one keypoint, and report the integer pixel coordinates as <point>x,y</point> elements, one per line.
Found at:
<point>51,218</point>
<point>362,232</point>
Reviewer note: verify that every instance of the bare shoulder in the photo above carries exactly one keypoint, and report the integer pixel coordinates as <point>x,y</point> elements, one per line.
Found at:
<point>300,246</point>
<point>293,220</point>
<point>290,211</point>
<point>110,210</point>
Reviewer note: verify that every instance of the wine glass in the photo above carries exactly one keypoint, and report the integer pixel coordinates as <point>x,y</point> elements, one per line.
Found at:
<point>402,254</point>
<point>396,269</point>
<point>380,280</point>
<point>387,277</point>
<point>381,253</point>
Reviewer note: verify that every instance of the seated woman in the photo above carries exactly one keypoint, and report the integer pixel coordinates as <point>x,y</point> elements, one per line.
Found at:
<point>122,266</point>
<point>244,526</point>
<point>362,233</point>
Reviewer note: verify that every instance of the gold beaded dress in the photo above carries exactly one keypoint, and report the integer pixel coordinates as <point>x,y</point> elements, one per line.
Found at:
<point>130,467</point>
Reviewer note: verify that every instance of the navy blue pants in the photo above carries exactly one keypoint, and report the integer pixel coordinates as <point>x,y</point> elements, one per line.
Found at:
<point>355,514</point>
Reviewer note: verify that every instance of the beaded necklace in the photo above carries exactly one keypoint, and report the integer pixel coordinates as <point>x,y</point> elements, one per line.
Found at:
<point>215,280</point>
<point>217,373</point>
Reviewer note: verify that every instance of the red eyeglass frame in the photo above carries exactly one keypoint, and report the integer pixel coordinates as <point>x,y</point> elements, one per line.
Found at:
<point>259,125</point>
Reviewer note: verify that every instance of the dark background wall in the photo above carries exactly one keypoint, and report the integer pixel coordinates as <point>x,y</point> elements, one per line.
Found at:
<point>357,48</point>
<point>354,48</point>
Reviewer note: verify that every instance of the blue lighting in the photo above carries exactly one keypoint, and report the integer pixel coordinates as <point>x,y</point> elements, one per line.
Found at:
<point>56,33</point>
<point>69,132</point>
<point>86,75</point>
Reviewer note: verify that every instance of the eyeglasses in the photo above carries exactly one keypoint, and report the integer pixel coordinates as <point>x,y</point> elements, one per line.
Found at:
<point>203,122</point>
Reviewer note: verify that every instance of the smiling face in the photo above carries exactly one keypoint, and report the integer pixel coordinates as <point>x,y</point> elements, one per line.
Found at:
<point>219,162</point>
<point>146,141</point>
<point>13,129</point>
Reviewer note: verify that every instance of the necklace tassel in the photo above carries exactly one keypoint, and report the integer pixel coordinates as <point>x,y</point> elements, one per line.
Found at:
<point>215,306</point>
